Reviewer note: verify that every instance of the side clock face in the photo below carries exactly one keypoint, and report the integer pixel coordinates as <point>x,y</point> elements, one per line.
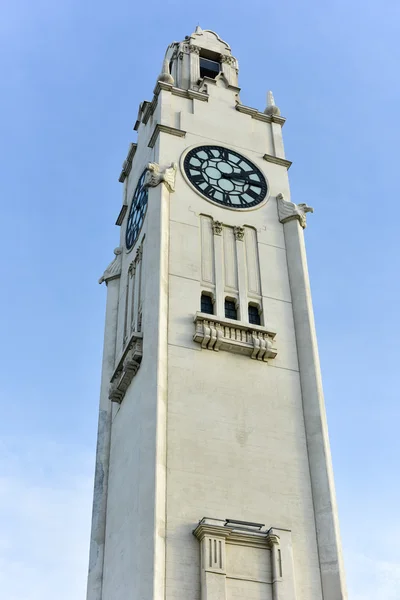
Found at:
<point>137,212</point>
<point>225,177</point>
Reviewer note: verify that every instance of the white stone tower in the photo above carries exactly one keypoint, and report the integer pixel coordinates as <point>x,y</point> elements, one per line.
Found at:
<point>213,471</point>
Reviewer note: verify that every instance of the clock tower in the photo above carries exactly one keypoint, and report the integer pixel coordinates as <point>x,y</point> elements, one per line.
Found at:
<point>213,470</point>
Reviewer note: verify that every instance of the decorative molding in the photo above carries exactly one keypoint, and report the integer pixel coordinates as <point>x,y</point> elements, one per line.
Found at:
<point>127,368</point>
<point>154,176</point>
<point>214,333</point>
<point>283,162</point>
<point>165,129</point>
<point>239,233</point>
<point>237,535</point>
<point>194,49</point>
<point>148,108</point>
<point>217,227</point>
<point>127,164</point>
<point>260,116</point>
<point>113,270</point>
<point>229,60</point>
<point>175,91</point>
<point>288,211</point>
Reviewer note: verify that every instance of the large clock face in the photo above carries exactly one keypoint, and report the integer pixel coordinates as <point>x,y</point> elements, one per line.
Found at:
<point>137,212</point>
<point>225,177</point>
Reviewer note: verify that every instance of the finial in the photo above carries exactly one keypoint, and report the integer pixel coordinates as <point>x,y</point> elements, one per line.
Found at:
<point>165,75</point>
<point>198,29</point>
<point>271,109</point>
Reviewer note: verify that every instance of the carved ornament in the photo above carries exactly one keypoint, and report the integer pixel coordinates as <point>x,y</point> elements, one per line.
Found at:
<point>194,49</point>
<point>288,211</point>
<point>127,368</point>
<point>113,270</point>
<point>155,176</point>
<point>225,58</point>
<point>216,334</point>
<point>239,233</point>
<point>217,227</point>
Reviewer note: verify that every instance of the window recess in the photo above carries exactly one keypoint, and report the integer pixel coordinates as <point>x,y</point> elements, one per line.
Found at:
<point>254,315</point>
<point>230,309</point>
<point>207,304</point>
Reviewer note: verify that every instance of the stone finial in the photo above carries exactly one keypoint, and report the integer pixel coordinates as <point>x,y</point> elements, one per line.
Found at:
<point>198,29</point>
<point>165,75</point>
<point>113,270</point>
<point>288,211</point>
<point>154,176</point>
<point>271,108</point>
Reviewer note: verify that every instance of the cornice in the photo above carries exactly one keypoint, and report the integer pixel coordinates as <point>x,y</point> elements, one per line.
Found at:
<point>260,116</point>
<point>148,108</point>
<point>121,215</point>
<point>202,530</point>
<point>165,129</point>
<point>127,164</point>
<point>239,537</point>
<point>283,162</point>
<point>175,91</point>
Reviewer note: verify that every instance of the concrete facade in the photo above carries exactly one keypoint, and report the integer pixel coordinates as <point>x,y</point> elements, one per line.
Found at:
<point>208,424</point>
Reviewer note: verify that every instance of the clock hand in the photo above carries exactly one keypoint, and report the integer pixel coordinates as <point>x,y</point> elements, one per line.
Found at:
<point>242,177</point>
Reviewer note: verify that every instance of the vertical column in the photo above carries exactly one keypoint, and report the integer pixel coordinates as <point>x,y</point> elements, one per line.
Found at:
<point>132,275</point>
<point>242,273</point>
<point>276,564</point>
<point>213,558</point>
<point>194,53</point>
<point>219,269</point>
<point>138,322</point>
<point>277,139</point>
<point>326,516</point>
<point>283,577</point>
<point>228,67</point>
<point>97,541</point>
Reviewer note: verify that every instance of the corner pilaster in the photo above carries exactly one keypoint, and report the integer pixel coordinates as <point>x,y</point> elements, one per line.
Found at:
<point>319,456</point>
<point>213,558</point>
<point>111,277</point>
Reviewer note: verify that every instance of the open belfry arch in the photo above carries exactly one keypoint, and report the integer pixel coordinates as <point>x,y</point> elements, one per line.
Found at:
<point>213,471</point>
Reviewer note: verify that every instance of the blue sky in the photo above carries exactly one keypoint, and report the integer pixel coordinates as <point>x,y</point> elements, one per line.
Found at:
<point>73,74</point>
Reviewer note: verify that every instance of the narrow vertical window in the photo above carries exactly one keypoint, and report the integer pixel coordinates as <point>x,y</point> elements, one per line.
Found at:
<point>230,309</point>
<point>254,315</point>
<point>207,304</point>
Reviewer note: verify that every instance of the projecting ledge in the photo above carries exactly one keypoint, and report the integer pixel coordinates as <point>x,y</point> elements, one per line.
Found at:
<point>127,367</point>
<point>214,333</point>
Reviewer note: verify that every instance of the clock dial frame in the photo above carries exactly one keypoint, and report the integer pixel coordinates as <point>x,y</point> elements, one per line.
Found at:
<point>137,212</point>
<point>224,177</point>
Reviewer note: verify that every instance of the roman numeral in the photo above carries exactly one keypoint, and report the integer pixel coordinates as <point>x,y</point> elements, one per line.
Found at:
<point>210,191</point>
<point>197,178</point>
<point>208,151</point>
<point>252,194</point>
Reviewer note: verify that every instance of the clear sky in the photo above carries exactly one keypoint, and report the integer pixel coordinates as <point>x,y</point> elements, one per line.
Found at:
<point>73,73</point>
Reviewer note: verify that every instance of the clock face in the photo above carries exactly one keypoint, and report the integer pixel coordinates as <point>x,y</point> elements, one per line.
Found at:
<point>225,177</point>
<point>137,212</point>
